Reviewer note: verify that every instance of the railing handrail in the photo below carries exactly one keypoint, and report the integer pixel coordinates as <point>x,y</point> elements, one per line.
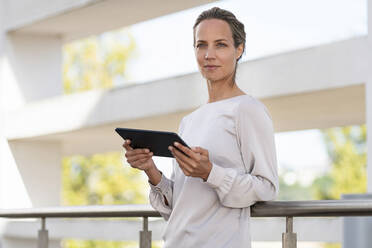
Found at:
<point>108,211</point>
<point>316,208</point>
<point>260,209</point>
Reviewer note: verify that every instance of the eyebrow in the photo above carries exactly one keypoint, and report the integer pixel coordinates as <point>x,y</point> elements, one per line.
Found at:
<point>214,41</point>
<point>220,40</point>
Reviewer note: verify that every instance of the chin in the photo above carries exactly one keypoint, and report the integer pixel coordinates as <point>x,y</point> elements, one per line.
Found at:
<point>212,77</point>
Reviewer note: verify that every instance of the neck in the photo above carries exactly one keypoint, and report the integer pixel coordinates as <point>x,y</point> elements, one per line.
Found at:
<point>222,89</point>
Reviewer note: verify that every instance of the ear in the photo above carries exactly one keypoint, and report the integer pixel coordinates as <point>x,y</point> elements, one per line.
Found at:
<point>239,51</point>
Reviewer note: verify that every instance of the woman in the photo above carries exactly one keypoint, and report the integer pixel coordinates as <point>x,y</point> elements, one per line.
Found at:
<point>232,160</point>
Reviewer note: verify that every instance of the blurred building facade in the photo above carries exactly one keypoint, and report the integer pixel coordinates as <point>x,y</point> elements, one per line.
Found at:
<point>320,87</point>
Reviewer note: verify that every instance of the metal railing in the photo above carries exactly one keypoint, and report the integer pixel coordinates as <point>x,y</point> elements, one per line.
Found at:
<point>287,209</point>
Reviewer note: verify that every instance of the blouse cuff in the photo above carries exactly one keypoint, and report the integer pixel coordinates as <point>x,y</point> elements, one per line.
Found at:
<point>216,176</point>
<point>162,186</point>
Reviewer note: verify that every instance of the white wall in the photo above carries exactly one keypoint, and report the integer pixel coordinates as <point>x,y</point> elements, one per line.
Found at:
<point>39,166</point>
<point>74,19</point>
<point>34,68</point>
<point>23,12</point>
<point>30,70</point>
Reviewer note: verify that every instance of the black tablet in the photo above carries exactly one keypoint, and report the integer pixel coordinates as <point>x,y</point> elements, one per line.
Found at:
<point>156,141</point>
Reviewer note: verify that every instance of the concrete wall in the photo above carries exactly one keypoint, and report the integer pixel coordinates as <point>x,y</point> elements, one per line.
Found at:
<point>72,19</point>
<point>34,68</point>
<point>31,71</point>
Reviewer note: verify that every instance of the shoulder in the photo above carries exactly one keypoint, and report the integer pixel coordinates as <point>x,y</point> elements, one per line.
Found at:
<point>183,123</point>
<point>249,106</point>
<point>185,118</point>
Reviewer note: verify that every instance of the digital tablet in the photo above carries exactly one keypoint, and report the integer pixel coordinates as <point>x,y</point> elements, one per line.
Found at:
<point>156,141</point>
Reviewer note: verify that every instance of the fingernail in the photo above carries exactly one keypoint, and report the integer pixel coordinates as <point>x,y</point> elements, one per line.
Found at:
<point>147,150</point>
<point>176,143</point>
<point>169,148</point>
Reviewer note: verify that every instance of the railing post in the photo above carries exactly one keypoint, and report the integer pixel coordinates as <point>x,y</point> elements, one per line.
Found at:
<point>43,240</point>
<point>289,239</point>
<point>145,235</point>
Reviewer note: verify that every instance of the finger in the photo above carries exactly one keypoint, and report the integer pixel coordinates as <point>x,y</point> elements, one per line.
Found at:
<point>138,151</point>
<point>185,149</point>
<point>196,149</point>
<point>184,168</point>
<point>189,160</point>
<point>186,162</point>
<point>200,150</point>
<point>137,164</point>
<point>180,155</point>
<point>126,145</point>
<point>132,153</point>
<point>141,150</point>
<point>134,158</point>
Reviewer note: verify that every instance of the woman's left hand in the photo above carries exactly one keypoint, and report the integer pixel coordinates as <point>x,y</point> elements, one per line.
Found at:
<point>195,164</point>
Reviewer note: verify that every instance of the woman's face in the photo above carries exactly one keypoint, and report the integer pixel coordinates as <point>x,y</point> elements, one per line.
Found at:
<point>215,51</point>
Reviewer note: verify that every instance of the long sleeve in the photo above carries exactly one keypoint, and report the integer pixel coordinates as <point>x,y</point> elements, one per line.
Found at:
<point>164,189</point>
<point>255,136</point>
<point>158,193</point>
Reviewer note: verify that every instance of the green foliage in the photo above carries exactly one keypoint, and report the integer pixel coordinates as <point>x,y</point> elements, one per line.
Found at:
<point>322,186</point>
<point>346,147</point>
<point>95,62</point>
<point>102,179</point>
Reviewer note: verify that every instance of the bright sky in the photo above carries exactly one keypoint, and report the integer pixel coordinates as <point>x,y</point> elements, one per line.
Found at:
<point>164,49</point>
<point>164,45</point>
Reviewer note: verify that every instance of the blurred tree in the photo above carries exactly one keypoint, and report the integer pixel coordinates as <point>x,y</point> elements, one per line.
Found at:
<point>98,180</point>
<point>96,62</point>
<point>102,179</point>
<point>347,148</point>
<point>322,187</point>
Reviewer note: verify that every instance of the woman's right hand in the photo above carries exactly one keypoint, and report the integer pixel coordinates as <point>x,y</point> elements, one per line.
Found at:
<point>139,158</point>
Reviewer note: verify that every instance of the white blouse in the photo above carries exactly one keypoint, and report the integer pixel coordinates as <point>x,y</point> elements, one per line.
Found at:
<point>239,135</point>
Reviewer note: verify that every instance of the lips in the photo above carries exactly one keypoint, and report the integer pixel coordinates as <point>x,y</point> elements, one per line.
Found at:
<point>211,67</point>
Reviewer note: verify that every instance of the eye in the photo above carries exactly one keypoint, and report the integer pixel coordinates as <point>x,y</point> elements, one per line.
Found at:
<point>221,44</point>
<point>200,45</point>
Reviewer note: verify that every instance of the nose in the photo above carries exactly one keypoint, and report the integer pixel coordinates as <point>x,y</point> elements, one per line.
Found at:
<point>210,54</point>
